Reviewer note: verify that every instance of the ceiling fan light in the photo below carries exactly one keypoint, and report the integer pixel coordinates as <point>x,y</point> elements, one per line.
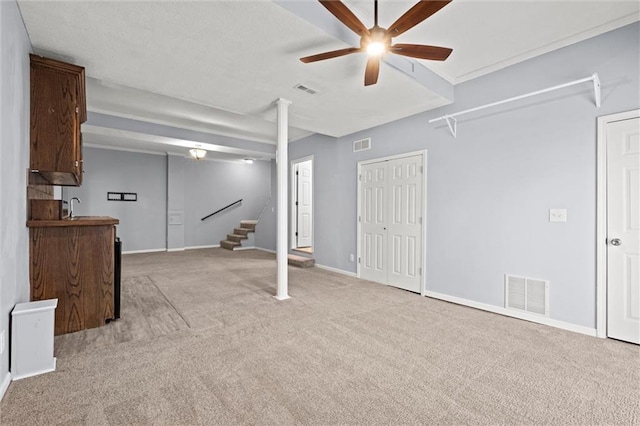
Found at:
<point>197,153</point>
<point>375,48</point>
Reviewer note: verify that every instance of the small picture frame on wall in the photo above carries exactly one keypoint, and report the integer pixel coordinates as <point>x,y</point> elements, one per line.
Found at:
<point>122,196</point>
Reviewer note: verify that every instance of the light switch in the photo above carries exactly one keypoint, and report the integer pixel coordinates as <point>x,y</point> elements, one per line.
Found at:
<point>175,217</point>
<point>557,215</point>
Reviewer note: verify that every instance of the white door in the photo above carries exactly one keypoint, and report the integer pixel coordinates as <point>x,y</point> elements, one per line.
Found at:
<point>373,222</point>
<point>304,204</point>
<point>391,222</point>
<point>404,228</point>
<point>623,230</point>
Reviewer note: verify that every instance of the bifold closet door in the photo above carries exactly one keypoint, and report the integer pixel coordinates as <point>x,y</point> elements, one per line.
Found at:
<point>404,228</point>
<point>373,222</point>
<point>391,222</point>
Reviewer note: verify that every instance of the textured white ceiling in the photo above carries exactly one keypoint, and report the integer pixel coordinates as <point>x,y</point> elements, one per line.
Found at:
<point>217,66</point>
<point>487,35</point>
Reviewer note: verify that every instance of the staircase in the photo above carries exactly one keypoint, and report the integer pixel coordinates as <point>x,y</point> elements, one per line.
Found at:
<point>239,234</point>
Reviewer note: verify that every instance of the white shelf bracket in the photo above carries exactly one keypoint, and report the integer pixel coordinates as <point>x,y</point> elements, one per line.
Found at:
<point>452,123</point>
<point>596,88</point>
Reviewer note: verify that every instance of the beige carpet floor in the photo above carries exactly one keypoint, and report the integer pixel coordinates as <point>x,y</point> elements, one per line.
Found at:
<point>215,347</point>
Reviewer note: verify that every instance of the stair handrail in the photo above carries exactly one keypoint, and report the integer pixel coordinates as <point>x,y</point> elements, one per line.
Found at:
<point>224,208</point>
<point>264,208</point>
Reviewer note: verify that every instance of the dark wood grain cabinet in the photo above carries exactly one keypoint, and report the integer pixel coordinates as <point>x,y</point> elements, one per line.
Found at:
<point>58,108</point>
<point>73,260</point>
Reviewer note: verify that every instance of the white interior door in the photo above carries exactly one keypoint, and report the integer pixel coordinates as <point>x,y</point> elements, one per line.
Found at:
<point>391,222</point>
<point>404,228</point>
<point>623,230</point>
<point>373,222</point>
<point>304,205</point>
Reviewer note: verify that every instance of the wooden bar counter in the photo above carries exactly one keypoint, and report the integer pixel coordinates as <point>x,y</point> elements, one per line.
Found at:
<point>73,260</point>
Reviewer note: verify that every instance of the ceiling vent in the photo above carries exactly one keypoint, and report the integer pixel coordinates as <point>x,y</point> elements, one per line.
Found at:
<point>361,145</point>
<point>527,294</point>
<point>305,89</point>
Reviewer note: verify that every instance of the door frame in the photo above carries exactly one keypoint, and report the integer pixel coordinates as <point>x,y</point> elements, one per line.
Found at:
<point>601,217</point>
<point>423,266</point>
<point>294,218</point>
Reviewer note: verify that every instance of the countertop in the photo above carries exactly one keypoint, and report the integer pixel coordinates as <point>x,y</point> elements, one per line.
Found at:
<point>76,221</point>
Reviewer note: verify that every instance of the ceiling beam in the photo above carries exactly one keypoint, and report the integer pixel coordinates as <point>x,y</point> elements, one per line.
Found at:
<point>223,143</point>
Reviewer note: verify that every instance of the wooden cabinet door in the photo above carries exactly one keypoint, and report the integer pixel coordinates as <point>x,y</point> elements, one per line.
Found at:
<point>74,264</point>
<point>80,168</point>
<point>54,120</point>
<point>58,108</point>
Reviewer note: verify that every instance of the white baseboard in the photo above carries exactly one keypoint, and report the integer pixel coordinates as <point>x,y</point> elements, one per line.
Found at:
<point>171,250</point>
<point>202,247</point>
<point>264,249</point>
<point>244,248</point>
<point>144,251</point>
<point>52,367</point>
<point>5,384</point>
<point>514,314</point>
<point>338,271</point>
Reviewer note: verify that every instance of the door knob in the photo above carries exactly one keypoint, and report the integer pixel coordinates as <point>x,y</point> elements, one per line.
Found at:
<point>616,242</point>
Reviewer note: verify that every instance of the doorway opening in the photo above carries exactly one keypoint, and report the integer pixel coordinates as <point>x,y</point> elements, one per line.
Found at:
<point>302,205</point>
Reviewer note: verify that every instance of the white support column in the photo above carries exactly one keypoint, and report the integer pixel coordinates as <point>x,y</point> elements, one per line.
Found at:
<point>283,225</point>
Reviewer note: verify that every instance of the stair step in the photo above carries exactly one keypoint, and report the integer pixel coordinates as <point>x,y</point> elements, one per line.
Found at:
<point>229,245</point>
<point>241,231</point>
<point>236,238</point>
<point>301,262</point>
<point>248,224</point>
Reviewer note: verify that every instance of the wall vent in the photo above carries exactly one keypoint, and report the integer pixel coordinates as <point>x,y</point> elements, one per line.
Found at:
<point>305,89</point>
<point>362,144</point>
<point>527,294</point>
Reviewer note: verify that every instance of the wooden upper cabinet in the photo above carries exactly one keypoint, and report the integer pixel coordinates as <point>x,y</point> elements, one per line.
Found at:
<point>58,108</point>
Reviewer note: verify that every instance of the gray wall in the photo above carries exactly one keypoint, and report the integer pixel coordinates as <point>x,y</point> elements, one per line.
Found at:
<point>266,229</point>
<point>212,185</point>
<point>14,161</point>
<point>142,223</point>
<point>170,183</point>
<point>490,189</point>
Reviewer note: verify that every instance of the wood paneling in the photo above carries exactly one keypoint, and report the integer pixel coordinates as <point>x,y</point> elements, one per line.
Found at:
<point>46,209</point>
<point>75,265</point>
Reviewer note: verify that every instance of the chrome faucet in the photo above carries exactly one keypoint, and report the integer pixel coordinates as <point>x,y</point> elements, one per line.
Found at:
<point>71,205</point>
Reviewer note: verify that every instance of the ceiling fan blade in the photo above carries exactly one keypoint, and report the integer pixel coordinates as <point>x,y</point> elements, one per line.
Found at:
<point>372,71</point>
<point>329,55</point>
<point>346,16</point>
<point>418,13</point>
<point>421,51</point>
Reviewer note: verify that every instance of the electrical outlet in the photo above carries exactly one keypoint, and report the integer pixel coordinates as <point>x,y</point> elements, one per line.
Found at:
<point>2,344</point>
<point>557,215</point>
<point>352,258</point>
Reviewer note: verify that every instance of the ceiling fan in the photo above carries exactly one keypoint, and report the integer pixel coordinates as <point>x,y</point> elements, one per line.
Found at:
<point>377,40</point>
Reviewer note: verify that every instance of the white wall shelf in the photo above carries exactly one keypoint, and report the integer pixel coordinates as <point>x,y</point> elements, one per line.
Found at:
<point>452,123</point>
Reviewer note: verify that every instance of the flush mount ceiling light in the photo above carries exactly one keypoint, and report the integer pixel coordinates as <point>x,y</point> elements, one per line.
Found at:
<point>197,153</point>
<point>249,160</point>
<point>377,40</point>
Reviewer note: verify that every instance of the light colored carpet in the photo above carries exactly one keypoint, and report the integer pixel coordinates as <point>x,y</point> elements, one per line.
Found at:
<point>145,314</point>
<point>341,351</point>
